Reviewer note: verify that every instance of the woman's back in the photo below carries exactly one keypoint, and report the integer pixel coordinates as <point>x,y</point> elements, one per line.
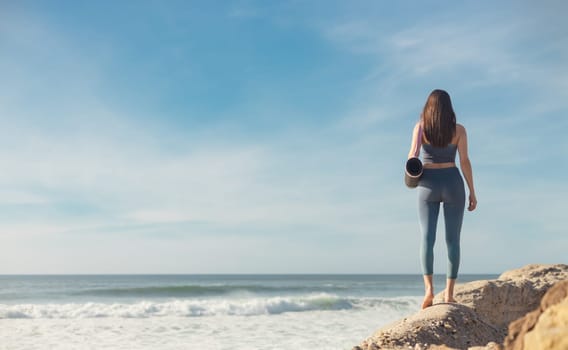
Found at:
<point>434,154</point>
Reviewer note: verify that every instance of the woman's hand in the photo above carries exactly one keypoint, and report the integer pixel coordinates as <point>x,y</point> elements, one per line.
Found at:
<point>472,202</point>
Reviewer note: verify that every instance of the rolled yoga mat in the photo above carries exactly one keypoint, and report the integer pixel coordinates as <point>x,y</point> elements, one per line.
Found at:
<point>412,172</point>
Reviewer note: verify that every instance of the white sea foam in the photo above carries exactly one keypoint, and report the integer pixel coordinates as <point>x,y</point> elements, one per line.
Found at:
<point>203,307</point>
<point>321,329</point>
<point>195,312</point>
<point>326,330</point>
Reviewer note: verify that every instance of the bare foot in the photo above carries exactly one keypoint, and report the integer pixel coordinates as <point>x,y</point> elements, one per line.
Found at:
<point>428,299</point>
<point>449,300</point>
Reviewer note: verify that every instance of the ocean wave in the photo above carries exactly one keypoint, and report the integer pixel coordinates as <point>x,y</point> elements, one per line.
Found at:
<point>200,290</point>
<point>206,307</point>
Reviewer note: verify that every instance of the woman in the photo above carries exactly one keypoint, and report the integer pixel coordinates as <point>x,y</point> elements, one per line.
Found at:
<point>441,182</point>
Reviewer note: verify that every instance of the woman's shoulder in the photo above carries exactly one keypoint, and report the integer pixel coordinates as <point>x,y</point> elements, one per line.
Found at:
<point>416,126</point>
<point>460,131</point>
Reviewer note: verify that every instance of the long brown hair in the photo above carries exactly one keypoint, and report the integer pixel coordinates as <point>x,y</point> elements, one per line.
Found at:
<point>438,119</point>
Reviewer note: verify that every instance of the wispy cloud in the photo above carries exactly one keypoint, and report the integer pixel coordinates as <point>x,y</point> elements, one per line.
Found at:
<point>244,10</point>
<point>480,48</point>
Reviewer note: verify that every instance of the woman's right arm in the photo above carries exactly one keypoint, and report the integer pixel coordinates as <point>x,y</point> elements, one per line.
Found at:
<point>415,144</point>
<point>465,165</point>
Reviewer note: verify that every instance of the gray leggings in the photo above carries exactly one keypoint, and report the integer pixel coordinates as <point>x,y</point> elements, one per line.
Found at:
<point>435,186</point>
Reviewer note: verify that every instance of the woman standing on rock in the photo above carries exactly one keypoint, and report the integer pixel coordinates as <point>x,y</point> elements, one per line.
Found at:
<point>441,182</point>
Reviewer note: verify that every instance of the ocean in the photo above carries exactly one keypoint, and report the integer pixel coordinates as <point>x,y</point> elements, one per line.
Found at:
<point>203,311</point>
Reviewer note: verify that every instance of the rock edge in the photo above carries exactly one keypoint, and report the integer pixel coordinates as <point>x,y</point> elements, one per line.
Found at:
<point>481,317</point>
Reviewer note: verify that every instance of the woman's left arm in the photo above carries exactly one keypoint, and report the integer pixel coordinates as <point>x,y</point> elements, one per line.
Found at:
<point>465,165</point>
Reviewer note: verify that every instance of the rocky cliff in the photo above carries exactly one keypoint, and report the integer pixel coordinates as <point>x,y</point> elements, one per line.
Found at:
<point>545,328</point>
<point>482,316</point>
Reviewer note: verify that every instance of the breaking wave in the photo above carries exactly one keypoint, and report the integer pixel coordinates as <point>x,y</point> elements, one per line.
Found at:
<point>206,307</point>
<point>199,290</point>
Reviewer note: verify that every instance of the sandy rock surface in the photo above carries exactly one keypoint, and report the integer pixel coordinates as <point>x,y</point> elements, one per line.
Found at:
<point>452,325</point>
<point>480,319</point>
<point>512,295</point>
<point>544,328</point>
<point>551,330</point>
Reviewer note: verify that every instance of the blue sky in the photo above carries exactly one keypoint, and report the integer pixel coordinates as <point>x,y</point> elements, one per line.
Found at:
<point>269,137</point>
